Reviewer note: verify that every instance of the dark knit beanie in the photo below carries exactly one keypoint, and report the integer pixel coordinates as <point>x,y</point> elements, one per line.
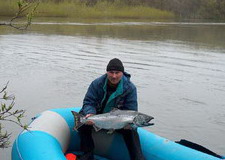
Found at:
<point>115,65</point>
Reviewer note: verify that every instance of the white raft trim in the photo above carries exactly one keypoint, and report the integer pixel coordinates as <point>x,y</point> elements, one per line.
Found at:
<point>53,124</point>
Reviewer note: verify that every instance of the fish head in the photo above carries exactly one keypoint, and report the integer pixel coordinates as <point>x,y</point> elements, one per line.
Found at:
<point>142,120</point>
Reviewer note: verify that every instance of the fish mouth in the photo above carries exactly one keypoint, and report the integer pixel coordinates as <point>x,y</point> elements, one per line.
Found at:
<point>148,121</point>
<point>149,124</point>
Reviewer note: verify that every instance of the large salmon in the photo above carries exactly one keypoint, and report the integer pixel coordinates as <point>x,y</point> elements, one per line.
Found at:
<point>116,119</point>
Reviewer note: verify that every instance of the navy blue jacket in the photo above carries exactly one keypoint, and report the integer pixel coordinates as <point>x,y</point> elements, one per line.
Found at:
<point>125,96</point>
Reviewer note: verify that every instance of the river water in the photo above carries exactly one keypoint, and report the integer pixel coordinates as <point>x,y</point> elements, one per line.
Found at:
<point>178,68</point>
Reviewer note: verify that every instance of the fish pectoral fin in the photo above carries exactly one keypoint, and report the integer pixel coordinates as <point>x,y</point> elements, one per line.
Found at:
<point>114,109</point>
<point>96,128</point>
<point>128,126</point>
<point>110,131</point>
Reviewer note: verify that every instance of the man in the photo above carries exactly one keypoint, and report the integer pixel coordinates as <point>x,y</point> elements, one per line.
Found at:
<point>112,90</point>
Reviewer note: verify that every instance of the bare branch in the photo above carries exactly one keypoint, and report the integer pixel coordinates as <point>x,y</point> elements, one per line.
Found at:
<point>26,9</point>
<point>5,87</point>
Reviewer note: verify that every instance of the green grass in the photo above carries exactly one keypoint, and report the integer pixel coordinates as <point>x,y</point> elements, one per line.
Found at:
<point>8,8</point>
<point>79,10</point>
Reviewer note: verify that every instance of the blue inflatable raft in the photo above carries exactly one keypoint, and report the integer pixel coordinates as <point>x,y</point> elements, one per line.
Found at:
<point>51,136</point>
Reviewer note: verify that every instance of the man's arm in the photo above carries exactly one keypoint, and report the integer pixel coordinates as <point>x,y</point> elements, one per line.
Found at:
<point>130,102</point>
<point>90,100</point>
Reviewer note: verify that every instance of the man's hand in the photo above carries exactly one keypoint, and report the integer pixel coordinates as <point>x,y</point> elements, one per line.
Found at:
<point>89,122</point>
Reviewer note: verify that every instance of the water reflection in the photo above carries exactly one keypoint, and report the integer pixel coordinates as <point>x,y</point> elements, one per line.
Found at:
<point>208,34</point>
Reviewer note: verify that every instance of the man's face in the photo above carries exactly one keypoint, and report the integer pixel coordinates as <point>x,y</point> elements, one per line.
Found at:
<point>114,76</point>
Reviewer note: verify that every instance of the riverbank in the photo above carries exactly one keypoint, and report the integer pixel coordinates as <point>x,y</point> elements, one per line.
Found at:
<point>79,10</point>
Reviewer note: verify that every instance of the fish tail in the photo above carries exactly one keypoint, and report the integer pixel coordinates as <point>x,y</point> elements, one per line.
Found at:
<point>77,120</point>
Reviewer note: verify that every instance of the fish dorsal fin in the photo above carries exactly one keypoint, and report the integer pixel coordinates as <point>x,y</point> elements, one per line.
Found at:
<point>114,109</point>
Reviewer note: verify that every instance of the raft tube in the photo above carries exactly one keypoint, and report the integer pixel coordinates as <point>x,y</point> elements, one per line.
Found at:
<point>51,136</point>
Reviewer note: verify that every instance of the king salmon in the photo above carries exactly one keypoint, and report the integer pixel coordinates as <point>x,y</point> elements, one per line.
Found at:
<point>116,119</point>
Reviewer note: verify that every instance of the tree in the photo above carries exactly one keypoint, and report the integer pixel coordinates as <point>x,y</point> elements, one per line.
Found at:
<point>7,113</point>
<point>26,9</point>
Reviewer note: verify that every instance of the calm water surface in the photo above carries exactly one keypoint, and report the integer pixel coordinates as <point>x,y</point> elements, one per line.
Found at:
<point>178,68</point>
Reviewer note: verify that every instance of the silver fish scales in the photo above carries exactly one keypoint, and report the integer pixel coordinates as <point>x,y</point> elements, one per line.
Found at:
<point>116,119</point>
